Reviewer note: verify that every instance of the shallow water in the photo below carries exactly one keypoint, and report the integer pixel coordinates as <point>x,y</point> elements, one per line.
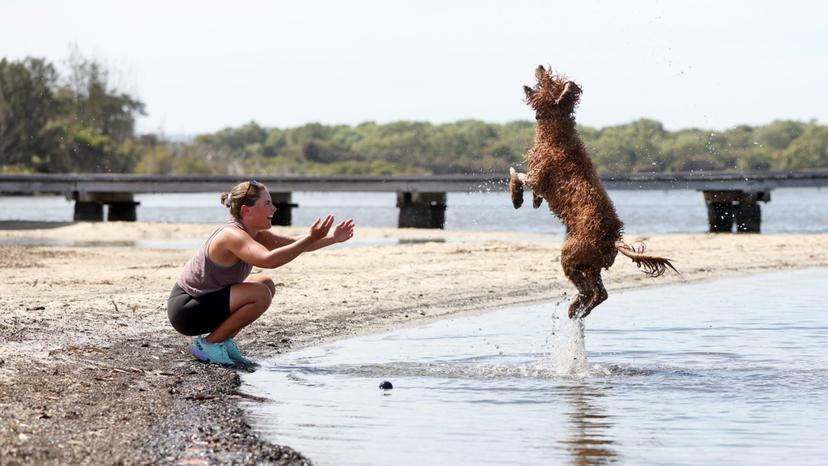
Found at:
<point>732,371</point>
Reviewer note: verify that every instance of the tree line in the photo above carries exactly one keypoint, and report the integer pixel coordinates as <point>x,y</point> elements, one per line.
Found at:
<point>72,123</point>
<point>80,122</point>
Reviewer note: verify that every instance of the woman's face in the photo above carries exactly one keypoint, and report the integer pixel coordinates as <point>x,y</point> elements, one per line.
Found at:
<point>260,215</point>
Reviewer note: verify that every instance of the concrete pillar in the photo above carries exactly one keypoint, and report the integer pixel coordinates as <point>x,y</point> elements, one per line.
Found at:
<point>88,211</point>
<point>726,208</point>
<point>89,206</point>
<point>421,210</point>
<point>283,206</point>
<point>720,217</point>
<point>122,211</point>
<point>748,215</point>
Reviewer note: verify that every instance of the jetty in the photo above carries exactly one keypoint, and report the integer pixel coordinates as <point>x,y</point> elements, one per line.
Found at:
<point>732,198</point>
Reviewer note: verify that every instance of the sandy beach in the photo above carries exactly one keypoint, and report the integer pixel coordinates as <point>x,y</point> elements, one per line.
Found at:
<point>92,373</point>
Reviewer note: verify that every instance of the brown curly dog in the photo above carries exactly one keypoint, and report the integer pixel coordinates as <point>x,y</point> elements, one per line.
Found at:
<point>560,172</point>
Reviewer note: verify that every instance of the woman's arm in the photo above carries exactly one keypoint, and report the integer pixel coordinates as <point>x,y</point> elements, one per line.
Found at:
<point>247,249</point>
<point>343,232</point>
<point>272,240</point>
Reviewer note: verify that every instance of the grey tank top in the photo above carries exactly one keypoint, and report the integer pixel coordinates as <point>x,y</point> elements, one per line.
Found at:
<point>201,275</point>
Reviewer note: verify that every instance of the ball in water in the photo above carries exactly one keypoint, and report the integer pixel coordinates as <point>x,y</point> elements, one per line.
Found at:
<point>386,385</point>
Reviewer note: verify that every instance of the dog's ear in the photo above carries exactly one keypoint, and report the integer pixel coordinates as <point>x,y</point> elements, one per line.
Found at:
<point>529,92</point>
<point>540,73</point>
<point>570,93</point>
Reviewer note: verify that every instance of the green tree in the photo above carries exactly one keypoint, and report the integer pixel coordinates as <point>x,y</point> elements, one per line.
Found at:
<point>93,103</point>
<point>94,152</point>
<point>472,146</point>
<point>809,150</point>
<point>779,134</point>
<point>626,148</point>
<point>27,103</point>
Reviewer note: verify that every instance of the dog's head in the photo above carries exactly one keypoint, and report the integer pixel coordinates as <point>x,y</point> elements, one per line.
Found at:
<point>553,95</point>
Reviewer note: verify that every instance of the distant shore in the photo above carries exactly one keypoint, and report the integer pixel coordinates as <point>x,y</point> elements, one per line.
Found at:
<point>90,370</point>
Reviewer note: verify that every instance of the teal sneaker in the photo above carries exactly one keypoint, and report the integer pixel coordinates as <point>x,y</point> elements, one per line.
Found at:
<point>215,353</point>
<point>235,354</point>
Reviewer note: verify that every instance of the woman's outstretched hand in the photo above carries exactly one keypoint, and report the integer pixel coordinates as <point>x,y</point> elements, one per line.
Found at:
<point>319,229</point>
<point>344,231</point>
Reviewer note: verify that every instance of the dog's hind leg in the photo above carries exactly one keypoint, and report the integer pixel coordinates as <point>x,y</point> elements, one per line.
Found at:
<point>599,293</point>
<point>579,307</point>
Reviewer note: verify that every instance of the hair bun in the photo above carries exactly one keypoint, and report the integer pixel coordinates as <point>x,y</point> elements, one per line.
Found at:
<point>226,199</point>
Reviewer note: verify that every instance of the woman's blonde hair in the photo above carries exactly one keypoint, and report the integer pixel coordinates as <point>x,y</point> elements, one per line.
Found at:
<point>244,193</point>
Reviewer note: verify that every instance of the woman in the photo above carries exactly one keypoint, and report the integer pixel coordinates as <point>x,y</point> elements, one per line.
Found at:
<point>216,295</point>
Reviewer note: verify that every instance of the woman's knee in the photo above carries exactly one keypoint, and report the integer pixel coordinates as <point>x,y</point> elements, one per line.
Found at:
<point>253,294</point>
<point>263,280</point>
<point>264,296</point>
<point>268,282</point>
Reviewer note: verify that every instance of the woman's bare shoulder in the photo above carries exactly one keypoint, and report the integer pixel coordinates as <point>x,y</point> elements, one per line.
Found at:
<point>232,236</point>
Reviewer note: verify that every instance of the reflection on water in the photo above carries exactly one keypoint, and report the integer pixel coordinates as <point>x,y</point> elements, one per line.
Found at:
<point>736,365</point>
<point>589,439</point>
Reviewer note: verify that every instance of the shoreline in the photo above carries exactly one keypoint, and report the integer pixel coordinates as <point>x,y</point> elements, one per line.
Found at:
<point>91,371</point>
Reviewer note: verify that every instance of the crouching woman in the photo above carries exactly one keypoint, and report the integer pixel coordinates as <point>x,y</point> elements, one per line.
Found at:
<point>216,296</point>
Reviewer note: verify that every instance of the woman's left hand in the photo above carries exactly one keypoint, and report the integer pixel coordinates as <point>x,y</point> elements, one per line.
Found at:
<point>344,231</point>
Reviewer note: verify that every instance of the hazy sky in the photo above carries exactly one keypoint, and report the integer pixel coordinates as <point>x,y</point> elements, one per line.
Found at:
<point>201,65</point>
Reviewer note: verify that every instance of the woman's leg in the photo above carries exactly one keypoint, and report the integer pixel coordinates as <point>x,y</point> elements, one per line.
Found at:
<point>248,301</point>
<point>264,280</point>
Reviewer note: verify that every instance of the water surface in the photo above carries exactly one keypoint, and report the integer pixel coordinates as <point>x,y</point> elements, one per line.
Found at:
<point>732,371</point>
<point>799,210</point>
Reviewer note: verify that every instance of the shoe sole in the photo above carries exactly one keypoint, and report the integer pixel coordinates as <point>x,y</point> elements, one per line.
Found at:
<point>198,354</point>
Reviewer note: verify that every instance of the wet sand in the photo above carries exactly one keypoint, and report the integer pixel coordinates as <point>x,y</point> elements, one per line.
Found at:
<point>91,372</point>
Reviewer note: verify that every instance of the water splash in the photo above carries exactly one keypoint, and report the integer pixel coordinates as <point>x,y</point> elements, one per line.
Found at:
<point>568,345</point>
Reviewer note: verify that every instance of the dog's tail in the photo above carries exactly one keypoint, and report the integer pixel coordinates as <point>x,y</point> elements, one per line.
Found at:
<point>653,266</point>
<point>515,188</point>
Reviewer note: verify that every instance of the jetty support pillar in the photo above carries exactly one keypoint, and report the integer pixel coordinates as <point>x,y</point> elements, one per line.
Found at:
<point>89,206</point>
<point>421,210</point>
<point>284,207</point>
<point>740,208</point>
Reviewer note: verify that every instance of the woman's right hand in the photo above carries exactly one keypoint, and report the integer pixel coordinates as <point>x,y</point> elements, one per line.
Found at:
<point>319,229</point>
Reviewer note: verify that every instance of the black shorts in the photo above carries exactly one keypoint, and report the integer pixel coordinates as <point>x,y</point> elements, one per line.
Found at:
<point>197,316</point>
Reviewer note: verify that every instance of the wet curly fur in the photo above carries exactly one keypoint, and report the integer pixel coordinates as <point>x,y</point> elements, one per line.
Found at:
<point>560,172</point>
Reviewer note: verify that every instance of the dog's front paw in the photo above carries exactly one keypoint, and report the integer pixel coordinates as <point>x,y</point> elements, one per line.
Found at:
<point>515,188</point>
<point>536,201</point>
